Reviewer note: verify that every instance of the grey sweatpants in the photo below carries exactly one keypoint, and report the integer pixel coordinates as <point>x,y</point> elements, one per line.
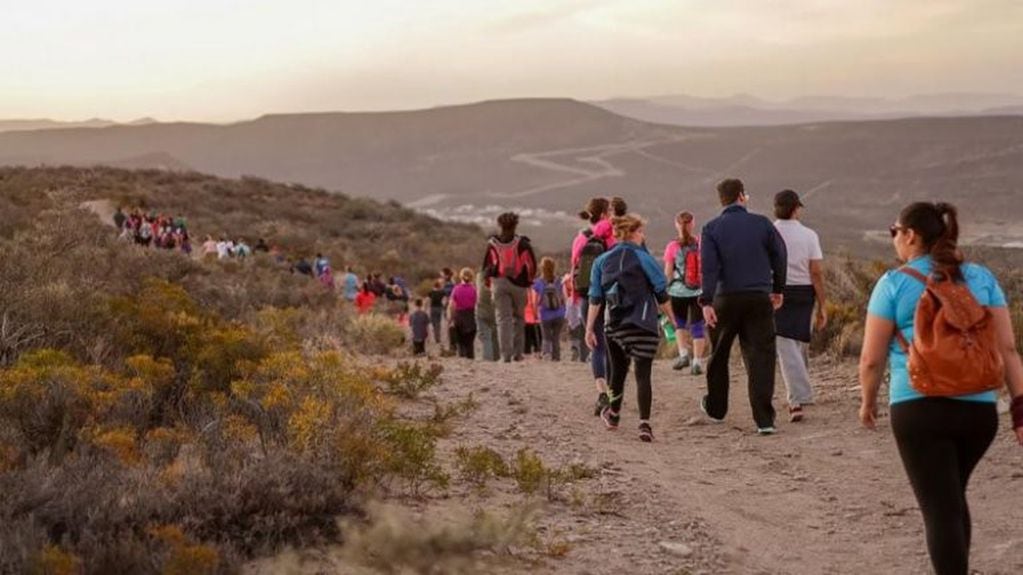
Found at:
<point>510,308</point>
<point>792,359</point>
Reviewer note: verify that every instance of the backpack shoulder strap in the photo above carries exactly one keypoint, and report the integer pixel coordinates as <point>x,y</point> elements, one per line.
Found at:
<point>913,273</point>
<point>909,271</point>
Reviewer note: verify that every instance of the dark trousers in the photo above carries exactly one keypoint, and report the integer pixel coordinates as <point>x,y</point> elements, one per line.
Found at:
<point>533,340</point>
<point>418,347</point>
<point>466,344</point>
<point>750,317</point>
<point>618,367</point>
<point>940,441</point>
<point>452,339</point>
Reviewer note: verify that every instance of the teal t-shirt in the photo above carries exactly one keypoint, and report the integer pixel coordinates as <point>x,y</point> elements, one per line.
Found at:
<point>895,297</point>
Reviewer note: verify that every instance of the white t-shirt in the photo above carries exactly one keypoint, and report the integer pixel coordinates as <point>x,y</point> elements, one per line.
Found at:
<point>802,245</point>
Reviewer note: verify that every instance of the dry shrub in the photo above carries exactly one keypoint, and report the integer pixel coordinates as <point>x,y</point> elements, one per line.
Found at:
<point>480,464</point>
<point>412,457</point>
<point>409,380</point>
<point>374,334</point>
<point>99,456</point>
<point>849,284</point>
<point>533,476</point>
<point>164,415</point>
<point>393,541</point>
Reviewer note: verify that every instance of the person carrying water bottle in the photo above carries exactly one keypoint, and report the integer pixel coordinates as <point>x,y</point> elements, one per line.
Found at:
<point>682,268</point>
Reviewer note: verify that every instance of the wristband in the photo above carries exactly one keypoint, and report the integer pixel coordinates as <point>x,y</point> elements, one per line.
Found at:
<point>1016,409</point>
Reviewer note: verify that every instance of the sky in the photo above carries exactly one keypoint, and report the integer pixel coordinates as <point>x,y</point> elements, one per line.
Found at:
<point>224,60</point>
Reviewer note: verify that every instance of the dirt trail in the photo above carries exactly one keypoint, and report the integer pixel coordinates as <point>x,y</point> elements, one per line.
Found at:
<point>104,210</point>
<point>822,496</point>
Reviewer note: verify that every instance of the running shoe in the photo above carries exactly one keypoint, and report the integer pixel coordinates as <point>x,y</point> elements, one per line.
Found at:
<point>769,430</point>
<point>602,402</point>
<point>795,413</point>
<point>703,408</point>
<point>610,418</point>
<point>681,363</point>
<point>697,369</point>
<point>646,433</point>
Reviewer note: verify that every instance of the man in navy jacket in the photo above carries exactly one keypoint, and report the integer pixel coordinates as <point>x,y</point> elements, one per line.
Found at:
<point>744,265</point>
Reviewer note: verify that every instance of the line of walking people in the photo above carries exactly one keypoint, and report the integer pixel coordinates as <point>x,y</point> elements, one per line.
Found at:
<point>938,324</point>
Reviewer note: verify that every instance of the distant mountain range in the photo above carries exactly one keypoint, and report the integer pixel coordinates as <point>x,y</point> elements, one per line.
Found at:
<point>545,157</point>
<point>746,110</point>
<point>44,124</point>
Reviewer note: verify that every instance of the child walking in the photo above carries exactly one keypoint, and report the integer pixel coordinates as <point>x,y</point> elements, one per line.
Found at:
<point>420,323</point>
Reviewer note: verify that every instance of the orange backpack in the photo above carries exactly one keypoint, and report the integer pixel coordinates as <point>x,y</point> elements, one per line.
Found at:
<point>954,349</point>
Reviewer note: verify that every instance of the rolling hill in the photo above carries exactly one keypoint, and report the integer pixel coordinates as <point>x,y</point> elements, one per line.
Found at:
<point>545,157</point>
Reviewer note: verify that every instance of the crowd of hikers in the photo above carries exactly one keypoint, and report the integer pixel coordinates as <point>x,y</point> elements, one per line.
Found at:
<point>939,326</point>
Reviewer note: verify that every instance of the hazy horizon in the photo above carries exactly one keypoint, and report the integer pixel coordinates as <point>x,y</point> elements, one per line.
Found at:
<point>229,60</point>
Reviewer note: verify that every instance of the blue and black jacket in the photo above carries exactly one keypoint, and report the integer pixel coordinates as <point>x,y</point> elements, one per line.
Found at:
<point>630,282</point>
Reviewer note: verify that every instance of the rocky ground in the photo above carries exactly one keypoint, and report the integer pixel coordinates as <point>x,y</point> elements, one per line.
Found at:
<point>821,496</point>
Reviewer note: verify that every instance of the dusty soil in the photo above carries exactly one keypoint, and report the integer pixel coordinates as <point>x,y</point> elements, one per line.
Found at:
<point>821,496</point>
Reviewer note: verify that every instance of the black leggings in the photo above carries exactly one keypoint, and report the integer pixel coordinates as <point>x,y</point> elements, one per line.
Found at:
<point>941,440</point>
<point>618,363</point>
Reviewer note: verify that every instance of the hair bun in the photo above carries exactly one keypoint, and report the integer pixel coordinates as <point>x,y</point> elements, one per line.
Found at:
<point>585,215</point>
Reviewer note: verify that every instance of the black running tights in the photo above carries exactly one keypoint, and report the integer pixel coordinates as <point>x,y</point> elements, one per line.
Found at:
<point>941,440</point>
<point>618,362</point>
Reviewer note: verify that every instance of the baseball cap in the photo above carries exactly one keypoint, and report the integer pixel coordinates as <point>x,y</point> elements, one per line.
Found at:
<point>787,199</point>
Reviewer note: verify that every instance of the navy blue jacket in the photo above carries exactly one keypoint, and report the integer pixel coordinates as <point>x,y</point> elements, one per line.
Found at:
<point>741,252</point>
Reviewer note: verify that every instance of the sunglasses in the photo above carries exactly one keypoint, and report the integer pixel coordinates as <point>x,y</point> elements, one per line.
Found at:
<point>895,229</point>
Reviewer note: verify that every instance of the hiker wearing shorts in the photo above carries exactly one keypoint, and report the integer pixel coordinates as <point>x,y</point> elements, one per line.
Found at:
<point>628,281</point>
<point>969,348</point>
<point>682,268</point>
<point>510,264</point>
<point>795,321</point>
<point>743,265</point>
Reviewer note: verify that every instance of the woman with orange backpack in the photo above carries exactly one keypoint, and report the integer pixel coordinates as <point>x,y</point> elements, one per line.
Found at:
<point>682,268</point>
<point>944,328</point>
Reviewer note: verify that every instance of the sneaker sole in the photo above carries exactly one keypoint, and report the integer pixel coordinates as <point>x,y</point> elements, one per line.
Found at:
<point>611,426</point>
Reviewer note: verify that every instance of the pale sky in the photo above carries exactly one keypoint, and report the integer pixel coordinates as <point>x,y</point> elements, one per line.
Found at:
<point>222,60</point>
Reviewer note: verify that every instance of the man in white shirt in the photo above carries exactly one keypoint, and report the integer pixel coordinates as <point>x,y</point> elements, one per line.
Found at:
<point>804,290</point>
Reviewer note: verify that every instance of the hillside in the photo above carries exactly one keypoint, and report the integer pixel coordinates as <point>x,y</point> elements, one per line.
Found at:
<point>546,157</point>
<point>302,220</point>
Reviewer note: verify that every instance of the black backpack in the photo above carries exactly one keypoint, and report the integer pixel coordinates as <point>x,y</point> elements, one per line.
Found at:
<point>592,249</point>
<point>552,298</point>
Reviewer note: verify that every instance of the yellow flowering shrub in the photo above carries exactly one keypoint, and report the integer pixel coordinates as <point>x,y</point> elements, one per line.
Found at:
<point>120,442</point>
<point>53,560</point>
<point>183,555</point>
